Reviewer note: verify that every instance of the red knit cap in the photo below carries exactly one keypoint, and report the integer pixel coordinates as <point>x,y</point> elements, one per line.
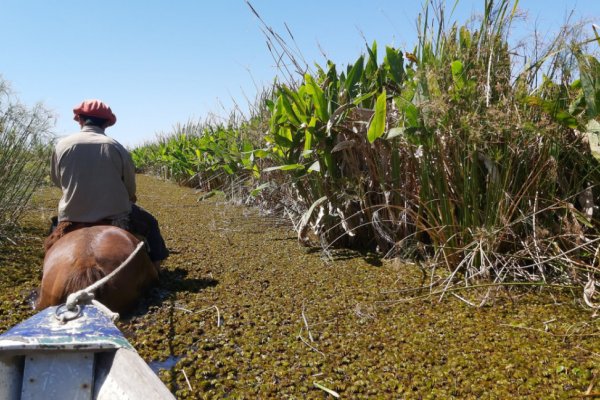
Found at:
<point>95,108</point>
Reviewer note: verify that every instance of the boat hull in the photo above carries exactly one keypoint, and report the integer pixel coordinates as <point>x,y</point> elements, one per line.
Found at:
<point>85,358</point>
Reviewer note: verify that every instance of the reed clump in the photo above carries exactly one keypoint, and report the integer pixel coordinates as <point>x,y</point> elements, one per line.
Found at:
<point>449,156</point>
<point>24,154</point>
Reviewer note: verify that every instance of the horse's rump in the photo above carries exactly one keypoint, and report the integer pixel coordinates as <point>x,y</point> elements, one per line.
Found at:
<point>64,227</point>
<point>80,257</point>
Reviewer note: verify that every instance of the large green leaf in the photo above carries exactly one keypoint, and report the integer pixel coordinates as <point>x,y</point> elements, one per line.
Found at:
<point>318,98</point>
<point>298,103</point>
<point>371,68</point>
<point>395,64</point>
<point>354,76</point>
<point>364,97</point>
<point>261,153</point>
<point>377,126</point>
<point>593,134</point>
<point>589,70</point>
<point>283,138</point>
<point>308,138</point>
<point>458,74</point>
<point>259,188</point>
<point>411,115</point>
<point>289,111</point>
<point>287,167</point>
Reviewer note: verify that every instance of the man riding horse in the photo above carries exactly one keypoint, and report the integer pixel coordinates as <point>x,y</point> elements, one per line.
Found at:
<point>97,178</point>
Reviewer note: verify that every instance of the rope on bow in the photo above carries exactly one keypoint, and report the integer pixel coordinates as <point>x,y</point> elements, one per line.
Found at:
<point>86,296</point>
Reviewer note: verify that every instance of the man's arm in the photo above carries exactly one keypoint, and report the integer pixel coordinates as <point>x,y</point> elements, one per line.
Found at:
<point>129,175</point>
<point>55,170</point>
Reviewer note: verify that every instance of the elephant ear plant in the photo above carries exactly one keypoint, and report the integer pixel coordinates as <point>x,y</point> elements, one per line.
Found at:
<point>324,134</point>
<point>25,141</point>
<point>211,157</point>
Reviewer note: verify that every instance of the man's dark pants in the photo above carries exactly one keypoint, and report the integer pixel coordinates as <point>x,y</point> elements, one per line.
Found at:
<point>144,223</point>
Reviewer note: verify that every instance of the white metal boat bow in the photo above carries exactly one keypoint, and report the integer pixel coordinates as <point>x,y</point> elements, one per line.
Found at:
<point>84,358</point>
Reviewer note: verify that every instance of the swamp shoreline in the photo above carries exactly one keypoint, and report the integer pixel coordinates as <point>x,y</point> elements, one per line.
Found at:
<point>244,311</point>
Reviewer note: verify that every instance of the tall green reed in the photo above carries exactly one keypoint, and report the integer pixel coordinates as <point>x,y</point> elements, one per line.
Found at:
<point>500,170</point>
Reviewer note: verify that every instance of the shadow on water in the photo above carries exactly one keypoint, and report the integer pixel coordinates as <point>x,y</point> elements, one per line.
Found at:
<point>369,257</point>
<point>372,259</point>
<point>171,282</point>
<point>284,239</point>
<point>177,281</point>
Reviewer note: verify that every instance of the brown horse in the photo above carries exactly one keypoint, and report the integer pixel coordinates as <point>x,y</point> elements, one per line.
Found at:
<point>83,256</point>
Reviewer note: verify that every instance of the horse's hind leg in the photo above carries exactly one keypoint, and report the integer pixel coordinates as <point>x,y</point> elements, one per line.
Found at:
<point>46,298</point>
<point>57,281</point>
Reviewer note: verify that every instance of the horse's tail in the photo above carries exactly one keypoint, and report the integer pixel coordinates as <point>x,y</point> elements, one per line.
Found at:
<point>81,278</point>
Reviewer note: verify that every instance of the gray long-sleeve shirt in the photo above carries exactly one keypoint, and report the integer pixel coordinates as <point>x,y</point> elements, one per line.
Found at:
<point>96,175</point>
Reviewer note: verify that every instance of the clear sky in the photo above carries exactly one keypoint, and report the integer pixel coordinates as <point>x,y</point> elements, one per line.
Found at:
<point>162,62</point>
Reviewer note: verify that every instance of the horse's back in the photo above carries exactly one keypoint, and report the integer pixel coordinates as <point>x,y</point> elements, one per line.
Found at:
<point>95,243</point>
<point>83,256</point>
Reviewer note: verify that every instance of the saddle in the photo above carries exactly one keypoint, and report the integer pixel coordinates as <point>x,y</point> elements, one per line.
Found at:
<point>60,229</point>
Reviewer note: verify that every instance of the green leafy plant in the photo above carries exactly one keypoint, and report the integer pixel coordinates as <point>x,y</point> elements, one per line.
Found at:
<point>204,156</point>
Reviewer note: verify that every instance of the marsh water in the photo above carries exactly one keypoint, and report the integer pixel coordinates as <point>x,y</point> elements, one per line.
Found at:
<point>244,311</point>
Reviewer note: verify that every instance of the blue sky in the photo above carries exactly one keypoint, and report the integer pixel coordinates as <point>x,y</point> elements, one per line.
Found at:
<point>162,62</point>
